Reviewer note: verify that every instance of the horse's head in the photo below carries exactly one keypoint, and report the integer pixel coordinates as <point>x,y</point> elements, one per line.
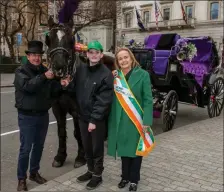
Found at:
<point>60,42</point>
<point>109,60</point>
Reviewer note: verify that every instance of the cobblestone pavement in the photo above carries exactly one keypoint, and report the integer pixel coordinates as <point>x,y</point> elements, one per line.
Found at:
<point>189,158</point>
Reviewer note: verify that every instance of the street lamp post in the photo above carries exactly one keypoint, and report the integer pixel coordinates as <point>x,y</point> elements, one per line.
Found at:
<point>54,11</point>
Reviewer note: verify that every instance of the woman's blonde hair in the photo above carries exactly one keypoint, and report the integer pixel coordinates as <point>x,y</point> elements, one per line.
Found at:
<point>134,61</point>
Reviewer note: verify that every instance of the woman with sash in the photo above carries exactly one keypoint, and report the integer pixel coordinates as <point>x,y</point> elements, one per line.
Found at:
<point>129,134</point>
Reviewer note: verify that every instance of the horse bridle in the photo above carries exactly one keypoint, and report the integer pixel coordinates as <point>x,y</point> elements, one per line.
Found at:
<point>71,68</point>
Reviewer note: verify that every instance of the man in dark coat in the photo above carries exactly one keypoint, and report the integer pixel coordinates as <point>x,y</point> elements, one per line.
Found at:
<point>34,90</point>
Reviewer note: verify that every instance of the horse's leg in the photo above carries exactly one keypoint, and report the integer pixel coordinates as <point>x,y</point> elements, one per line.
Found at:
<point>80,158</point>
<point>60,116</point>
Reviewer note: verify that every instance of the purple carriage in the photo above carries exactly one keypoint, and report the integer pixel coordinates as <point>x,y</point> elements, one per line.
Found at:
<point>184,70</point>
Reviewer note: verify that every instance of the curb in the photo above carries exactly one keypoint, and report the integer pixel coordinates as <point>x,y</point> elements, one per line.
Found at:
<point>5,86</point>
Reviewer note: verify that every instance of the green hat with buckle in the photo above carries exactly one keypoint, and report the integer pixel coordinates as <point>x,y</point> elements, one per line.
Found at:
<point>95,45</point>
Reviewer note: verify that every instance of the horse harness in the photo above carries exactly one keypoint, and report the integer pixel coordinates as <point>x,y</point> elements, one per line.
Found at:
<point>71,67</point>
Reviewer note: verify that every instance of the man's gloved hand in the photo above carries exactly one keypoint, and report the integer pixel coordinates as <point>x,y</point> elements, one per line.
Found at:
<point>66,81</point>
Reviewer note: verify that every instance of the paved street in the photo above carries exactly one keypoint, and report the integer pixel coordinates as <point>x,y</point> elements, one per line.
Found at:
<point>10,145</point>
<point>167,159</point>
<point>6,79</point>
<point>189,158</point>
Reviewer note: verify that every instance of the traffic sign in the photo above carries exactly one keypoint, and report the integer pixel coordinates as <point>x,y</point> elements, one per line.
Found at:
<point>19,38</point>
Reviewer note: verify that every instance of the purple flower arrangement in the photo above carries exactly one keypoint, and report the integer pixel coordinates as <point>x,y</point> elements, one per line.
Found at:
<point>134,44</point>
<point>187,50</point>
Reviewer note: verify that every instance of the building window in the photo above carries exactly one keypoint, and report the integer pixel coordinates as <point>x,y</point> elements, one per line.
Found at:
<point>214,10</point>
<point>189,11</point>
<point>166,14</point>
<point>146,16</point>
<point>77,18</point>
<point>128,20</point>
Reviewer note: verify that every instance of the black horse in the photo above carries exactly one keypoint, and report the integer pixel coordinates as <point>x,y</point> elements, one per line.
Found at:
<point>62,60</point>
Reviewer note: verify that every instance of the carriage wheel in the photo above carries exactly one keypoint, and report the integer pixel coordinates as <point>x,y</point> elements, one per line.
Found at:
<point>169,112</point>
<point>216,99</point>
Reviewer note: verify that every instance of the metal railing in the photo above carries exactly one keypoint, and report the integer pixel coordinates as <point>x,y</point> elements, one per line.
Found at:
<point>171,23</point>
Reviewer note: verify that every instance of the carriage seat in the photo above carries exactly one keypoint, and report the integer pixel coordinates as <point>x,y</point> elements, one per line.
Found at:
<point>200,64</point>
<point>198,69</point>
<point>163,52</point>
<point>152,40</point>
<point>162,45</point>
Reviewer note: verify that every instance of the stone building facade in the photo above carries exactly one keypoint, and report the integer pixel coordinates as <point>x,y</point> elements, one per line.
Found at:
<point>204,18</point>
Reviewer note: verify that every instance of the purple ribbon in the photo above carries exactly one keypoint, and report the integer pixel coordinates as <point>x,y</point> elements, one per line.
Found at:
<point>67,11</point>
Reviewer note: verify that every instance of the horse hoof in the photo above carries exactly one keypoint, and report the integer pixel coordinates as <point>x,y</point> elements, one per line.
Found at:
<point>57,164</point>
<point>78,164</point>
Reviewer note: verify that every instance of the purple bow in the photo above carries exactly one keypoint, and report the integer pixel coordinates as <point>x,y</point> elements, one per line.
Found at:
<point>66,13</point>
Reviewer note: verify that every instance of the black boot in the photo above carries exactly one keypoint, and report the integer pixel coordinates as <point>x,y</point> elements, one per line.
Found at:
<point>97,173</point>
<point>133,187</point>
<point>94,182</point>
<point>88,175</point>
<point>37,178</point>
<point>22,185</point>
<point>85,177</point>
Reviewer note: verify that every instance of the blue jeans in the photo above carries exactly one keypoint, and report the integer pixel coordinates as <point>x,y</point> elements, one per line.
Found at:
<point>33,131</point>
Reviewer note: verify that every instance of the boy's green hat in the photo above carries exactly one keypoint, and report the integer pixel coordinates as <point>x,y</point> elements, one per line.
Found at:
<point>95,45</point>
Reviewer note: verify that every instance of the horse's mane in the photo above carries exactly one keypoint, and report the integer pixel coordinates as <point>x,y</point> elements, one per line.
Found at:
<point>65,14</point>
<point>109,62</point>
<point>106,60</point>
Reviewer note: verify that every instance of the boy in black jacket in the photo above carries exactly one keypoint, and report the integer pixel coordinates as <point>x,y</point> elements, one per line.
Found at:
<point>94,91</point>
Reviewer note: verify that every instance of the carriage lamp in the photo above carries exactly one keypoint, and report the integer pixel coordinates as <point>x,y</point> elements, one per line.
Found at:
<point>173,67</point>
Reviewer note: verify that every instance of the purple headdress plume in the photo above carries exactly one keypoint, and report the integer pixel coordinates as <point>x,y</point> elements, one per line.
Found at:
<point>66,13</point>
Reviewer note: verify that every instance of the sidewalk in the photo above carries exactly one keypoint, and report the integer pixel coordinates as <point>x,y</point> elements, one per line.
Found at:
<point>7,79</point>
<point>189,158</point>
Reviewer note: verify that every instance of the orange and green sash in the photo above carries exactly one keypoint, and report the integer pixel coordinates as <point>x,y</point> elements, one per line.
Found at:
<point>134,112</point>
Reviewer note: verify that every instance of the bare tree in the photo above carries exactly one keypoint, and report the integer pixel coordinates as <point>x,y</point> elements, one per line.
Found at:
<point>95,12</point>
<point>12,21</point>
<point>100,12</point>
<point>36,16</point>
<point>29,32</point>
<point>14,17</point>
<point>26,15</point>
